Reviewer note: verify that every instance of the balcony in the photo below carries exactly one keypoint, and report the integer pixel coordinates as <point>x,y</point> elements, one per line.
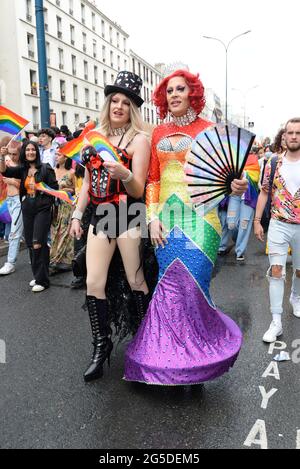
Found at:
<point>97,106</point>
<point>84,48</point>
<point>34,91</point>
<point>83,20</point>
<point>75,101</point>
<point>72,42</point>
<point>87,104</point>
<point>36,126</point>
<point>94,28</point>
<point>74,72</point>
<point>104,60</point>
<point>61,66</point>
<point>59,34</point>
<point>63,97</point>
<point>86,76</point>
<point>29,18</point>
<point>31,54</point>
<point>95,55</point>
<point>57,3</point>
<point>71,11</point>
<point>96,81</point>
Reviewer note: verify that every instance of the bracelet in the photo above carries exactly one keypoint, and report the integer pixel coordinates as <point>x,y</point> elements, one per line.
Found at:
<point>128,179</point>
<point>257,219</point>
<point>77,215</point>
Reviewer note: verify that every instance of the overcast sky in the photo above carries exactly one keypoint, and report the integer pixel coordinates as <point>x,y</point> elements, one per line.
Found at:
<point>263,65</point>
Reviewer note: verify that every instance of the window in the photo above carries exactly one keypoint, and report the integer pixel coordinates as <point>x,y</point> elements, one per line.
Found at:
<point>96,75</point>
<point>48,52</point>
<point>111,59</point>
<point>61,58</point>
<point>87,97</point>
<point>74,67</point>
<point>103,54</point>
<point>62,90</point>
<point>118,39</point>
<point>94,48</point>
<point>104,78</point>
<point>30,45</point>
<point>50,86</point>
<point>110,34</point>
<point>97,100</point>
<point>29,10</point>
<point>59,27</point>
<point>75,94</point>
<point>86,70</point>
<point>84,42</point>
<point>83,14</point>
<point>46,19</point>
<point>71,7</point>
<point>125,64</point>
<point>125,45</point>
<point>33,83</point>
<point>152,81</point>
<point>64,117</point>
<point>133,65</point>
<point>93,21</point>
<point>72,34</point>
<point>76,119</point>
<point>102,28</point>
<point>35,117</point>
<point>152,117</point>
<point>119,62</point>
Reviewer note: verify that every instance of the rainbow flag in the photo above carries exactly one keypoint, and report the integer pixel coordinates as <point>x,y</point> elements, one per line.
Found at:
<point>59,194</point>
<point>102,146</point>
<point>73,148</point>
<point>4,213</point>
<point>11,122</point>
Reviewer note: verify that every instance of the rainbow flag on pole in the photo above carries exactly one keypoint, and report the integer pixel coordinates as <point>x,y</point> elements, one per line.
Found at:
<point>102,146</point>
<point>73,148</point>
<point>59,194</point>
<point>10,122</point>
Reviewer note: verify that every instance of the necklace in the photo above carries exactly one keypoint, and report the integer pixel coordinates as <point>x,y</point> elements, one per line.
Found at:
<point>187,119</point>
<point>119,132</point>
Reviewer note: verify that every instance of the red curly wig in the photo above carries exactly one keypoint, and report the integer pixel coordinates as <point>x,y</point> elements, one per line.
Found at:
<point>197,98</point>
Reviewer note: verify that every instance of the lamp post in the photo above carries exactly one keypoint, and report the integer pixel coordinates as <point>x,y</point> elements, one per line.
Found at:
<point>244,94</point>
<point>226,47</point>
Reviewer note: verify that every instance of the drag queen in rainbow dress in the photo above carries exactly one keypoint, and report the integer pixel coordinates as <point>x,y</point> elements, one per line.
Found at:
<point>184,339</point>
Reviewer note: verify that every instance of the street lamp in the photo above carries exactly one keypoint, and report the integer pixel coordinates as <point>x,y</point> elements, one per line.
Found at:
<point>226,47</point>
<point>244,94</point>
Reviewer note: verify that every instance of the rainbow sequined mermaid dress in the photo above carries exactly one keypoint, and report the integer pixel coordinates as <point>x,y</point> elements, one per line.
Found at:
<point>184,339</point>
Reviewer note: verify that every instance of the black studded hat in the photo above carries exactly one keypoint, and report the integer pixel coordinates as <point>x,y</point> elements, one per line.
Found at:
<point>129,84</point>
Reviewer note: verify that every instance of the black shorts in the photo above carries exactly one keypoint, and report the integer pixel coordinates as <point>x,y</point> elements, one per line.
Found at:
<point>115,219</point>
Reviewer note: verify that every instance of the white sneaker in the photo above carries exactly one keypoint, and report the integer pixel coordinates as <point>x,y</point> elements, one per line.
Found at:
<point>295,302</point>
<point>38,288</point>
<point>7,269</point>
<point>32,283</point>
<point>274,331</point>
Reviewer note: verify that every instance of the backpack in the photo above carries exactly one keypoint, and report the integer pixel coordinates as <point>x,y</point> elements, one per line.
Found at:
<point>266,217</point>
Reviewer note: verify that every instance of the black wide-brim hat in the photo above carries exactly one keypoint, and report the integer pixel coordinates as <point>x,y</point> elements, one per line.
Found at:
<point>129,84</point>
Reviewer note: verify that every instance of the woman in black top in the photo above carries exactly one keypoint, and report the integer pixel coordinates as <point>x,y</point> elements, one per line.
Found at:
<point>36,208</point>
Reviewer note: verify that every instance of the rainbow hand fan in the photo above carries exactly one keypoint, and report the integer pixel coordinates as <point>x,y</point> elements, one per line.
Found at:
<point>217,157</point>
<point>102,146</point>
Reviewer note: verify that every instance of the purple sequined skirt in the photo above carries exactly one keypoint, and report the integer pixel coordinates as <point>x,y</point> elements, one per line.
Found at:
<point>183,339</point>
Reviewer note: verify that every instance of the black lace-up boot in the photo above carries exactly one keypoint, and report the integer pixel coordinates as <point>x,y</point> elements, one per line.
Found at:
<point>98,312</point>
<point>141,302</point>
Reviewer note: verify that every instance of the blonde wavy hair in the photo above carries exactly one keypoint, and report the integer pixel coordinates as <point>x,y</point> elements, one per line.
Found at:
<point>135,125</point>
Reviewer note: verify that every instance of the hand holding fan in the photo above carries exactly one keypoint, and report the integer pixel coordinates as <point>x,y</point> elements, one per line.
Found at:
<point>217,157</point>
<point>102,145</point>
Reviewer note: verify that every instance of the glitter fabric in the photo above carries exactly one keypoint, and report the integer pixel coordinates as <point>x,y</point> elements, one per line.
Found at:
<point>184,339</point>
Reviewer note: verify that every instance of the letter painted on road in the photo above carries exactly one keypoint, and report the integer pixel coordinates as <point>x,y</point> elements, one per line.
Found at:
<point>277,346</point>
<point>272,371</point>
<point>266,396</point>
<point>296,354</point>
<point>258,435</point>
<point>2,352</point>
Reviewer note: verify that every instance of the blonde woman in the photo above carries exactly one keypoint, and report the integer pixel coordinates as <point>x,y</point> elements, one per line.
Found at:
<point>116,192</point>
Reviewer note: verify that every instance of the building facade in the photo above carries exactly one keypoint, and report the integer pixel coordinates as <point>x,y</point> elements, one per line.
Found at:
<point>85,51</point>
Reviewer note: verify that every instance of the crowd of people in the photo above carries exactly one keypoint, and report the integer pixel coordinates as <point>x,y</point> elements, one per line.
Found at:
<point>134,286</point>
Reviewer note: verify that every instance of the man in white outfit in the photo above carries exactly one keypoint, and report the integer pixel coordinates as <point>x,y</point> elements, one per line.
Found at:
<point>284,227</point>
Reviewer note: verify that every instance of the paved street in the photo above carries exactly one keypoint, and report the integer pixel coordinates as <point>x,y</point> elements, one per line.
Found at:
<point>44,402</point>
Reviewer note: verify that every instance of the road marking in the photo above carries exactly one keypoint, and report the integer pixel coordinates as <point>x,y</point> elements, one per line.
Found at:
<point>298,440</point>
<point>266,396</point>
<point>272,371</point>
<point>2,352</point>
<point>277,346</point>
<point>259,430</point>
